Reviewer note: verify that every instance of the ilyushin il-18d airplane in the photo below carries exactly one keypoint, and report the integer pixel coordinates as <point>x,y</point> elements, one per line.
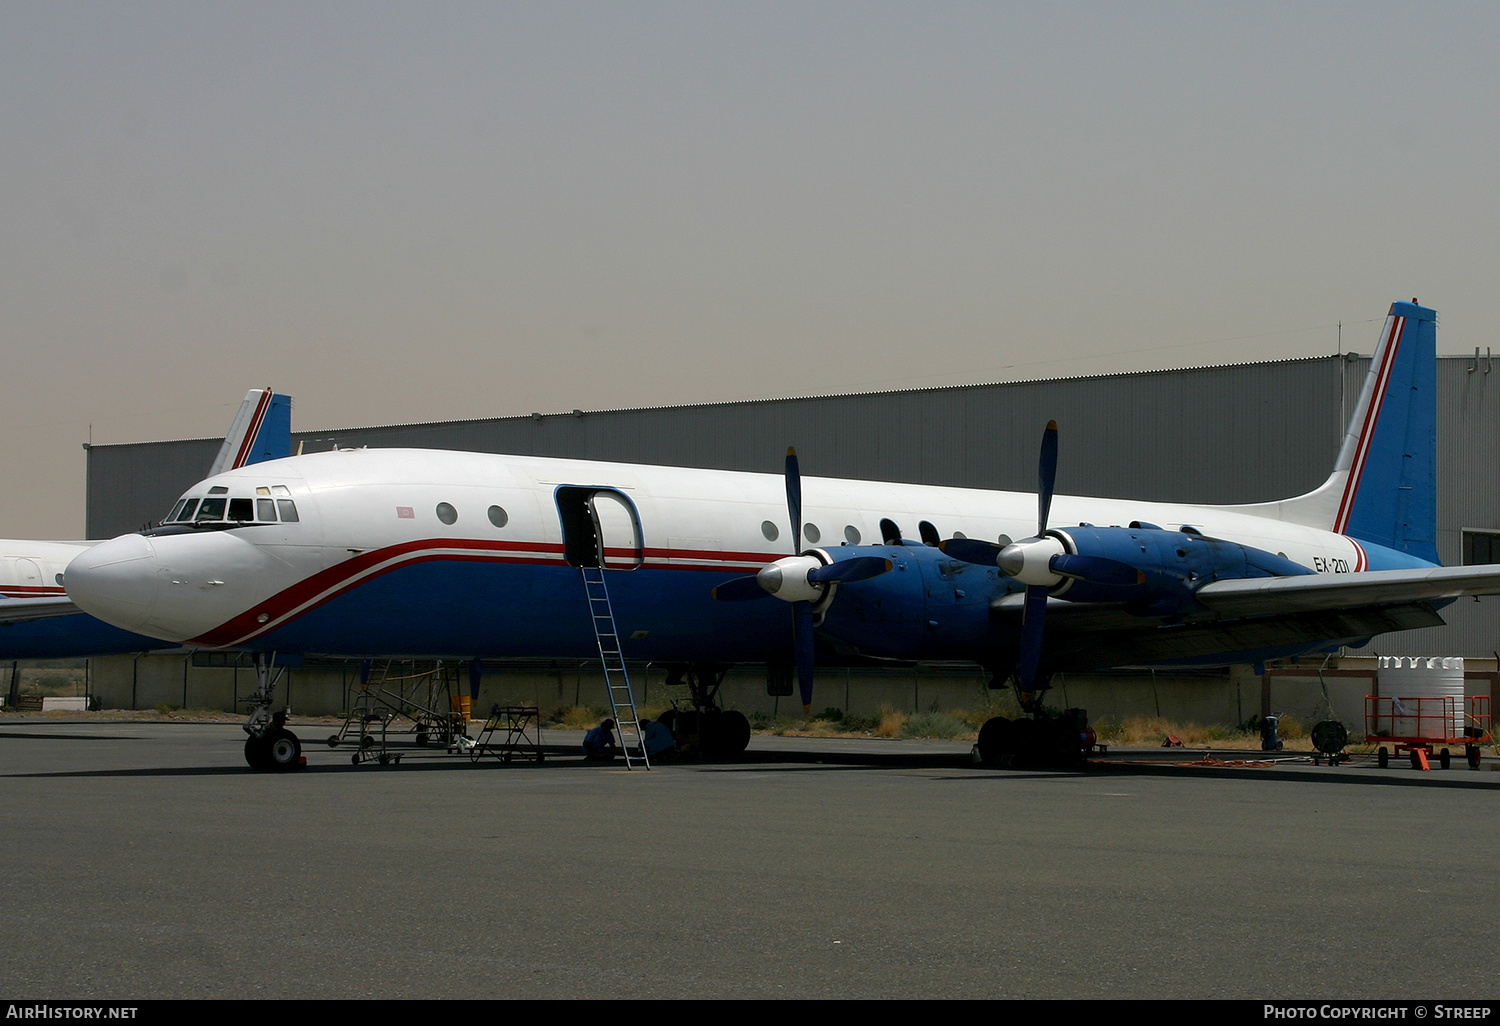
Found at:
<point>38,621</point>
<point>427,553</point>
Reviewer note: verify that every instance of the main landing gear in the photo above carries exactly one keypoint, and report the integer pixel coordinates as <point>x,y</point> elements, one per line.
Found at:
<point>705,729</point>
<point>269,746</point>
<point>1060,741</point>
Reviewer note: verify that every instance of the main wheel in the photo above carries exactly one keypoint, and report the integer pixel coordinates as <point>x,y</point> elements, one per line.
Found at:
<point>994,740</point>
<point>283,750</point>
<point>734,732</point>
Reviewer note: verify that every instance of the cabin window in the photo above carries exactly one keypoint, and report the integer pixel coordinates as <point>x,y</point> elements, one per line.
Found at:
<point>446,513</point>
<point>265,509</point>
<point>288,510</point>
<point>811,533</point>
<point>851,534</point>
<point>769,530</point>
<point>498,516</point>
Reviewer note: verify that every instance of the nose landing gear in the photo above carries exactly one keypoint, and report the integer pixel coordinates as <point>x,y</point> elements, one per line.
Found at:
<point>269,746</point>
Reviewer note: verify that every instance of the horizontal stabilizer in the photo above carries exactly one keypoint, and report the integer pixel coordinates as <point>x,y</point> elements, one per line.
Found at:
<point>49,607</point>
<point>1259,596</point>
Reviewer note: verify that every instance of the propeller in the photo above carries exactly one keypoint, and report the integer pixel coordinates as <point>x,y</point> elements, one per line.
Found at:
<point>803,579</point>
<point>1034,614</point>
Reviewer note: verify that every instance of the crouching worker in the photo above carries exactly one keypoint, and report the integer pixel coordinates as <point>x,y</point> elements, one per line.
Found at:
<point>658,740</point>
<point>599,743</point>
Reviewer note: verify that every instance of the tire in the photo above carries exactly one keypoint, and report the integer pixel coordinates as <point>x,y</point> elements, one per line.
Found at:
<point>283,750</point>
<point>994,740</point>
<point>734,732</point>
<point>258,752</point>
<point>1471,753</point>
<point>1383,757</point>
<point>710,741</point>
<point>1444,759</point>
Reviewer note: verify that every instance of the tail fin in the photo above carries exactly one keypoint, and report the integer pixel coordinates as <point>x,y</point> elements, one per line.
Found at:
<point>1383,488</point>
<point>262,430</point>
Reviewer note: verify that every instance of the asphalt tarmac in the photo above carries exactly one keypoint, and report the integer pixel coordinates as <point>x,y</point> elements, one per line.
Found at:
<point>145,861</point>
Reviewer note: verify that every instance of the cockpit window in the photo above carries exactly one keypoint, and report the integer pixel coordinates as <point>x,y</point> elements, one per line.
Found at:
<point>218,490</point>
<point>288,510</point>
<point>211,509</point>
<point>265,509</point>
<point>187,511</point>
<point>241,510</point>
<point>175,510</point>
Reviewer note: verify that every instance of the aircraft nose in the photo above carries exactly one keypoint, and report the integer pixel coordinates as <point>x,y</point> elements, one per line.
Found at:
<point>116,581</point>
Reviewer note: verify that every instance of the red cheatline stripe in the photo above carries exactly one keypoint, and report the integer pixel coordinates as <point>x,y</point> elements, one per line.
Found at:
<point>1367,429</point>
<point>248,442</point>
<point>29,590</point>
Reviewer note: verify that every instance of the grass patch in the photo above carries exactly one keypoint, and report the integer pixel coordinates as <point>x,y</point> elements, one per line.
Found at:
<point>935,725</point>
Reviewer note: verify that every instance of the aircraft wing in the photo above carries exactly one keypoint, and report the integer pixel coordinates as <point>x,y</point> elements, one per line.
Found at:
<point>20,610</point>
<point>1267,596</point>
<point>1256,614</point>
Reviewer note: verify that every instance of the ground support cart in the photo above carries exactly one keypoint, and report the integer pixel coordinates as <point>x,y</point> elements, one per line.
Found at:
<point>512,732</point>
<point>1419,728</point>
<point>397,708</point>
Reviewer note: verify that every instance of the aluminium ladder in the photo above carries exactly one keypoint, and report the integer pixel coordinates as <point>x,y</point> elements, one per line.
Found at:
<point>616,679</point>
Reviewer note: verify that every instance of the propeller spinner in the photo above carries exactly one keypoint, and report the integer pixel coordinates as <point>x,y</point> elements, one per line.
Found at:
<point>803,579</point>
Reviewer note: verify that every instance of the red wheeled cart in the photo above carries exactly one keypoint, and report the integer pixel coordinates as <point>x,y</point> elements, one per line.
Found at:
<point>1416,727</point>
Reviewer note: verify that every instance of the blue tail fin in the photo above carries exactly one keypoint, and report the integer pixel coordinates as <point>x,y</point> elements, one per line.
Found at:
<point>1389,496</point>
<point>1383,489</point>
<point>262,430</point>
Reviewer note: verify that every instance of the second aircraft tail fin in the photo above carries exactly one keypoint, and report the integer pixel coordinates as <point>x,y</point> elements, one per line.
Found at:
<point>262,430</point>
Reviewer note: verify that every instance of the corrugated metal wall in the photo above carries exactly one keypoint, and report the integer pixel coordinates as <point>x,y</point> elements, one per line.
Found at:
<point>1218,434</point>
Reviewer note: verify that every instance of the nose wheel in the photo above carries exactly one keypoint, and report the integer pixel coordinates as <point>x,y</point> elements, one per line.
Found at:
<point>277,750</point>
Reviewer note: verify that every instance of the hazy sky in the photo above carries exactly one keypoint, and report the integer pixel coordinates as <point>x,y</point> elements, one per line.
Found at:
<point>432,211</point>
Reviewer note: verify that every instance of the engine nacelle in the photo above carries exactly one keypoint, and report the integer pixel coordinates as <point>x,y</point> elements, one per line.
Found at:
<point>1170,566</point>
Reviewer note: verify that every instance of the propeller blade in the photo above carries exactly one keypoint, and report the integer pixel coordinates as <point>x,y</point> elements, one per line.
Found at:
<point>860,568</point>
<point>1096,570</point>
<point>794,499</point>
<point>1032,621</point>
<point>740,589</point>
<point>802,640</point>
<point>1046,476</point>
<point>971,550</point>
